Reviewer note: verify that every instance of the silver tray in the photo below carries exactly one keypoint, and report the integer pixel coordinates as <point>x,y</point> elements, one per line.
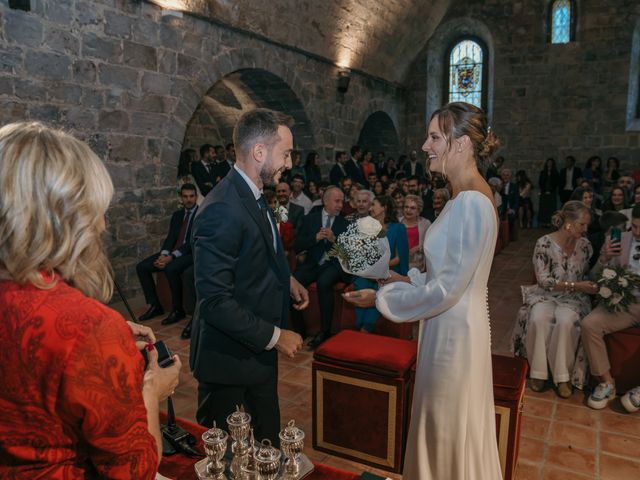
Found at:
<point>306,467</point>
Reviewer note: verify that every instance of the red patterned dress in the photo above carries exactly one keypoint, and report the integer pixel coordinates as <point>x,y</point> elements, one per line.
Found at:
<point>71,389</point>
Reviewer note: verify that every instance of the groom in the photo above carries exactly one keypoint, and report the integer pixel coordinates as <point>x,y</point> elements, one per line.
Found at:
<point>243,283</point>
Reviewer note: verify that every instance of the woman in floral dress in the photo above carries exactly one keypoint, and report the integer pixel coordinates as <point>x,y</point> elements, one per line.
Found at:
<point>547,331</point>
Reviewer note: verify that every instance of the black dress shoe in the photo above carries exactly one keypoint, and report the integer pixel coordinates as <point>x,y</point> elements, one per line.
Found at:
<point>173,317</point>
<point>317,340</point>
<point>186,333</point>
<point>154,311</point>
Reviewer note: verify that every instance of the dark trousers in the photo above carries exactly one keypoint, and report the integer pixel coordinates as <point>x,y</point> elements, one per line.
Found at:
<point>325,276</point>
<point>216,402</point>
<point>172,271</point>
<point>565,196</point>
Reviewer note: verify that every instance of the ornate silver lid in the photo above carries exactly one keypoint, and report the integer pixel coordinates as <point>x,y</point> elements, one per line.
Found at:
<point>266,453</point>
<point>239,417</point>
<point>291,433</point>
<point>214,435</point>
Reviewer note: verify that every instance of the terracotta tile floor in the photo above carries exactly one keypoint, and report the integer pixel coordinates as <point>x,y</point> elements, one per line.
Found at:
<point>561,439</point>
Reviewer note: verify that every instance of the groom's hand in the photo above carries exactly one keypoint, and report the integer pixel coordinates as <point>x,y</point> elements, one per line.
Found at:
<point>289,343</point>
<point>299,294</point>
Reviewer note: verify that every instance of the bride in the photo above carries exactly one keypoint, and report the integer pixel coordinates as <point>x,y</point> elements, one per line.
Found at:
<point>452,433</point>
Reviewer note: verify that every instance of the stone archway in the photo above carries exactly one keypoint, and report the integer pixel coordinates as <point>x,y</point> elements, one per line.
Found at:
<point>379,134</point>
<point>222,105</point>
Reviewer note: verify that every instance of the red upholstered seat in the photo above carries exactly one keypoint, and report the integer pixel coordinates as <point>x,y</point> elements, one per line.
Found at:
<point>368,352</point>
<point>311,314</point>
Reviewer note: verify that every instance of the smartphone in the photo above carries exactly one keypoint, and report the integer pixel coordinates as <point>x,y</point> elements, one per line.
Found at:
<point>165,357</point>
<point>616,235</point>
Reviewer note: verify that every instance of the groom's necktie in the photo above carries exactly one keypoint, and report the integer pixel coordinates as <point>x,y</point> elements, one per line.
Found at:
<point>265,217</point>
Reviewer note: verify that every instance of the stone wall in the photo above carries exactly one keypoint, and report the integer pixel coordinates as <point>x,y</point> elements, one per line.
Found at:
<point>548,100</point>
<point>128,81</point>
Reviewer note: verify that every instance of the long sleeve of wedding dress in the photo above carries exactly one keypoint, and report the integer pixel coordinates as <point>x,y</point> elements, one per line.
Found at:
<point>430,295</point>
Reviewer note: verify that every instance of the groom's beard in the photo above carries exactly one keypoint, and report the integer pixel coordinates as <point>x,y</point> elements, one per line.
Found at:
<point>269,176</point>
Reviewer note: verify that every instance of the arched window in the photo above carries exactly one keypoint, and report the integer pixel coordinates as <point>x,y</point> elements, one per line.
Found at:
<point>467,72</point>
<point>562,20</point>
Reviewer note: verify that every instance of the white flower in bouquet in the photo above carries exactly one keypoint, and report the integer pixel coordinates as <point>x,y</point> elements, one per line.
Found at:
<point>282,214</point>
<point>617,288</point>
<point>363,249</point>
<point>604,292</point>
<point>369,226</point>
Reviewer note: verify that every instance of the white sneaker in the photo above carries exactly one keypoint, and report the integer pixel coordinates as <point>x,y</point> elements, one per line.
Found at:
<point>631,400</point>
<point>602,395</point>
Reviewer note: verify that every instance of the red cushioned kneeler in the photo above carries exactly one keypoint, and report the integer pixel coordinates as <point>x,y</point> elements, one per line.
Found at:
<point>360,397</point>
<point>623,348</point>
<point>509,374</point>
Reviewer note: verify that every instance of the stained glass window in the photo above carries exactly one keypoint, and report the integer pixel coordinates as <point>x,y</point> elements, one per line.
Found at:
<point>561,21</point>
<point>465,73</point>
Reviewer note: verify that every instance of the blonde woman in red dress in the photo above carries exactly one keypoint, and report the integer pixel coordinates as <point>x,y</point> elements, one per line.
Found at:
<point>76,401</point>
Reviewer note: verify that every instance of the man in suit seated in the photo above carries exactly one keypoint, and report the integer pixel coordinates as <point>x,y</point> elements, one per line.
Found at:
<point>174,258</point>
<point>296,212</point>
<point>600,322</point>
<point>319,231</point>
<point>510,196</point>
<point>204,171</point>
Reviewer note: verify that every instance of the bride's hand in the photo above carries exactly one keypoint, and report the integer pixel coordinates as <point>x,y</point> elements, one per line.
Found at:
<point>361,298</point>
<point>393,277</point>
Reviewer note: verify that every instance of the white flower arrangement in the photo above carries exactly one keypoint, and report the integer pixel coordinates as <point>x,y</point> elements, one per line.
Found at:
<point>281,213</point>
<point>616,290</point>
<point>363,249</point>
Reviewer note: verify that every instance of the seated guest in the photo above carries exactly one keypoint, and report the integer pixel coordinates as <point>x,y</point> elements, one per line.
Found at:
<point>635,200</point>
<point>398,200</point>
<point>364,200</point>
<point>76,401</point>
<point>626,183</point>
<point>616,200</point>
<point>510,195</point>
<point>525,205</point>
<point>600,322</point>
<point>204,170</point>
<point>440,198</point>
<point>294,212</point>
<point>338,171</point>
<point>311,169</point>
<point>416,227</point>
<point>548,326</point>
<point>351,200</point>
<point>383,210</point>
<point>298,196</point>
<point>317,199</point>
<point>319,231</point>
<point>378,188</point>
<point>594,232</point>
<point>296,166</point>
<point>427,198</point>
<point>496,187</point>
<point>174,258</point>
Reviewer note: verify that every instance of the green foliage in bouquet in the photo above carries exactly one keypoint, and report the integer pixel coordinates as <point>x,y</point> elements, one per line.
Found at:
<point>616,288</point>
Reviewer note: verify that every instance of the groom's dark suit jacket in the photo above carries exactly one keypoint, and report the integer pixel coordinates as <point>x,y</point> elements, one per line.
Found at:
<point>242,288</point>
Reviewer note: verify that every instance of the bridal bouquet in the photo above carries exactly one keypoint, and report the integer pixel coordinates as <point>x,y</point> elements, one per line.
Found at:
<point>363,249</point>
<point>617,286</point>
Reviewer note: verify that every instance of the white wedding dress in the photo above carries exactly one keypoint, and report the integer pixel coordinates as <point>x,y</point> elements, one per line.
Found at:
<point>452,435</point>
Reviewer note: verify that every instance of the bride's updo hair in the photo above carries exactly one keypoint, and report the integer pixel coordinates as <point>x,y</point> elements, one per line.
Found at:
<point>459,118</point>
<point>570,212</point>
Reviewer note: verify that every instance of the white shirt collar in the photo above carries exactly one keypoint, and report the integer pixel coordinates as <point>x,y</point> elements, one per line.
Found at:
<point>254,188</point>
